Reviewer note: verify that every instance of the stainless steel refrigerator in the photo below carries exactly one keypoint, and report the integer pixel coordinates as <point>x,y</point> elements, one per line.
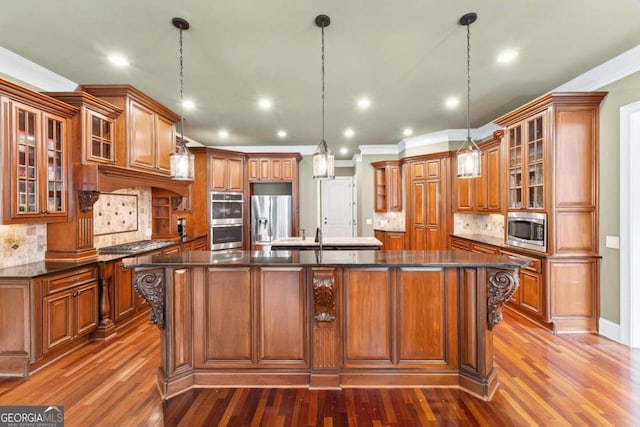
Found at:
<point>271,218</point>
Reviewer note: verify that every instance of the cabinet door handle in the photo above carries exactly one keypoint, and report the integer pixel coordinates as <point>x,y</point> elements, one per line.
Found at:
<point>76,293</point>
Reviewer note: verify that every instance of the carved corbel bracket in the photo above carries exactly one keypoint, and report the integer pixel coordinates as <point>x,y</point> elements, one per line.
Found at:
<point>324,297</point>
<point>149,285</point>
<point>502,285</point>
<point>175,202</point>
<point>87,199</point>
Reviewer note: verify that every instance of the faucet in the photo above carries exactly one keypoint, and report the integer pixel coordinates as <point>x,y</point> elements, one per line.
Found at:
<point>319,237</point>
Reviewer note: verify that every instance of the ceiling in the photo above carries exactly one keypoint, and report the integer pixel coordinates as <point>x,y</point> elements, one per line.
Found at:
<point>407,57</point>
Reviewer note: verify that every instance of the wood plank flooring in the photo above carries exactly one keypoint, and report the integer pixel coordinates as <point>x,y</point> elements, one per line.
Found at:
<point>545,380</point>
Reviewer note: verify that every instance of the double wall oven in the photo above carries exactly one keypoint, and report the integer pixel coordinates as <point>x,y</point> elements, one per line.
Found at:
<point>227,213</point>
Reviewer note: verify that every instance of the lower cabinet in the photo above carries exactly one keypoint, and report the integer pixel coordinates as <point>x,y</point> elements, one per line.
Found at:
<point>69,314</point>
<point>391,240</point>
<point>531,295</point>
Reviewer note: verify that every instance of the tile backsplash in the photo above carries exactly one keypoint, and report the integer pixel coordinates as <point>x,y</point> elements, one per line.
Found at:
<point>22,244</point>
<point>389,221</point>
<point>113,223</point>
<point>486,225</point>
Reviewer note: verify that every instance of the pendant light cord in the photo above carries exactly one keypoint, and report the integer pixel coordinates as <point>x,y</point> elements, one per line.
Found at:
<point>322,83</point>
<point>181,96</point>
<point>468,82</point>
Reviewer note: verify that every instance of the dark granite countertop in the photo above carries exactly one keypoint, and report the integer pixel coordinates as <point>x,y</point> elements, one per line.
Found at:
<point>41,268</point>
<point>500,243</point>
<point>368,258</point>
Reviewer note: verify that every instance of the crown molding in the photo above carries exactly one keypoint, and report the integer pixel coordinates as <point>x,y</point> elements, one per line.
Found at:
<point>28,72</point>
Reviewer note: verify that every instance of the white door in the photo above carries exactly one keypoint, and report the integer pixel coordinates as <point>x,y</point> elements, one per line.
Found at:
<point>337,207</point>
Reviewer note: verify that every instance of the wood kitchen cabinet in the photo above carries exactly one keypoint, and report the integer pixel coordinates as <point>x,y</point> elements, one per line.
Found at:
<point>552,151</point>
<point>273,167</point>
<point>33,134</point>
<point>482,194</point>
<point>408,336</point>
<point>387,185</point>
<point>267,328</point>
<point>93,129</point>
<point>428,204</point>
<point>227,172</point>
<point>391,240</point>
<point>145,133</point>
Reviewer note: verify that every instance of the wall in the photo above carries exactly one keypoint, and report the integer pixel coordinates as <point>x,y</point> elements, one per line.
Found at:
<point>488,225</point>
<point>22,244</point>
<point>622,92</point>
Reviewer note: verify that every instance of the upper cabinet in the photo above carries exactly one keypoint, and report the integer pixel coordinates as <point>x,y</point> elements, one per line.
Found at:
<point>273,167</point>
<point>226,172</point>
<point>482,194</point>
<point>93,130</point>
<point>145,133</point>
<point>35,153</point>
<point>387,185</point>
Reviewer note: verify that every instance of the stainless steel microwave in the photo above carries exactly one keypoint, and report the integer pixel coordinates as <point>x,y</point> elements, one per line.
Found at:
<point>527,230</point>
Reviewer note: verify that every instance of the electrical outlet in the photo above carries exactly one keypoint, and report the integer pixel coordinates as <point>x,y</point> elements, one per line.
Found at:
<point>612,242</point>
<point>369,221</point>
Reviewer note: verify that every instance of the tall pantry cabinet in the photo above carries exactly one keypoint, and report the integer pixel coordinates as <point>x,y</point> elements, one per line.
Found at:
<point>552,167</point>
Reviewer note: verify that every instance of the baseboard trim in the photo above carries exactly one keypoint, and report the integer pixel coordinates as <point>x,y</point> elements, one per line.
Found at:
<point>610,330</point>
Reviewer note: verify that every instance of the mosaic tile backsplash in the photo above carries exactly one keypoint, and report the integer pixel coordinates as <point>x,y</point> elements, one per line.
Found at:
<point>22,244</point>
<point>112,222</point>
<point>487,225</point>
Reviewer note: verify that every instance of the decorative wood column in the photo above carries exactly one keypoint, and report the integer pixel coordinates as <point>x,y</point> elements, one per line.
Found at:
<point>324,329</point>
<point>106,327</point>
<point>502,285</point>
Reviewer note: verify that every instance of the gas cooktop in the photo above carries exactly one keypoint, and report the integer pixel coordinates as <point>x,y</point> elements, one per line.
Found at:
<point>135,247</point>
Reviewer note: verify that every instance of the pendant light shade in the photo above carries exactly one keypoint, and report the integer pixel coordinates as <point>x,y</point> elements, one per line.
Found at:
<point>323,158</point>
<point>468,155</point>
<point>181,161</point>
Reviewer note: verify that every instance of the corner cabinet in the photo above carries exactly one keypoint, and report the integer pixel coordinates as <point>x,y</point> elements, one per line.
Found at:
<point>482,194</point>
<point>35,153</point>
<point>145,132</point>
<point>387,185</point>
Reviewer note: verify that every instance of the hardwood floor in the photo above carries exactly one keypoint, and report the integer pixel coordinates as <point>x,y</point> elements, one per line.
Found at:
<point>544,380</point>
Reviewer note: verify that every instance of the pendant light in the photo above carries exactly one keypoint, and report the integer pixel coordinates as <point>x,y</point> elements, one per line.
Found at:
<point>181,160</point>
<point>323,159</point>
<point>468,155</point>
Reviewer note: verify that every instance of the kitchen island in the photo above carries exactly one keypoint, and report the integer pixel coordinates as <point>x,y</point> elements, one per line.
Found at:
<point>329,319</point>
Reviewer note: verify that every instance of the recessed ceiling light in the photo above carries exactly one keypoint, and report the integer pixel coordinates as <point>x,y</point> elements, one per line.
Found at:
<point>344,150</point>
<point>507,56</point>
<point>118,60</point>
<point>407,131</point>
<point>265,103</point>
<point>364,103</point>
<point>282,133</point>
<point>223,133</point>
<point>348,133</point>
<point>188,104</point>
<point>452,102</point>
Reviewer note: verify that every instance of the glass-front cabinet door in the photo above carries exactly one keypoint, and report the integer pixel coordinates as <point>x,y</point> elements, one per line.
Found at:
<point>55,181</point>
<point>526,142</point>
<point>535,162</point>
<point>514,137</point>
<point>27,130</point>
<point>100,145</point>
<point>39,184</point>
